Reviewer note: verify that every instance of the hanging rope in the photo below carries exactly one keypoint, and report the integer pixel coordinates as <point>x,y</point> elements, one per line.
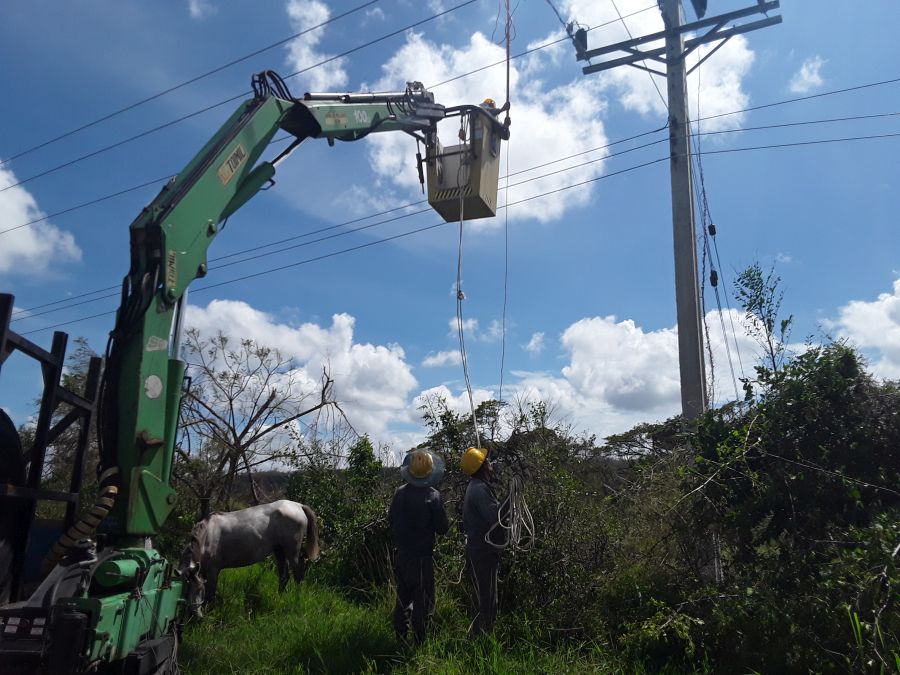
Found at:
<point>519,524</point>
<point>505,221</point>
<point>460,296</point>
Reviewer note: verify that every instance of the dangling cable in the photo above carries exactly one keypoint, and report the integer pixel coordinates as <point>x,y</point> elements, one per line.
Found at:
<point>710,229</point>
<point>460,296</point>
<point>505,222</point>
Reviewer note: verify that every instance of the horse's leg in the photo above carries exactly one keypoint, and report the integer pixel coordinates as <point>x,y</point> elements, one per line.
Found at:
<point>298,567</point>
<point>297,557</point>
<point>212,580</point>
<point>282,565</point>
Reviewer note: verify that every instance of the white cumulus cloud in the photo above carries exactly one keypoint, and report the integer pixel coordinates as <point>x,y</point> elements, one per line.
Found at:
<point>371,382</point>
<point>447,358</point>
<point>809,76</point>
<point>720,78</point>
<point>458,403</point>
<point>548,123</point>
<point>303,51</point>
<point>32,249</point>
<point>619,375</point>
<point>618,362</point>
<point>874,327</point>
<point>536,344</point>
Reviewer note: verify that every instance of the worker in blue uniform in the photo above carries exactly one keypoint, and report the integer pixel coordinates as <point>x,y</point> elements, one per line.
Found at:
<point>485,537</point>
<point>416,517</point>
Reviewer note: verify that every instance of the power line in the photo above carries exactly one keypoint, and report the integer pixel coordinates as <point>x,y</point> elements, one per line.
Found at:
<point>242,95</point>
<point>472,72</point>
<point>192,80</point>
<point>706,222</point>
<point>233,98</point>
<point>630,138</point>
<point>533,49</point>
<point>527,199</point>
<point>643,61</point>
<point>365,245</point>
<point>361,218</point>
<point>31,314</point>
<point>795,144</point>
<point>723,131</point>
<point>803,98</point>
<point>722,151</point>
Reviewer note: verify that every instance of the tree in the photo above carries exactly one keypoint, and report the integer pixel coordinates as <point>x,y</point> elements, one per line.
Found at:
<point>240,412</point>
<point>760,296</point>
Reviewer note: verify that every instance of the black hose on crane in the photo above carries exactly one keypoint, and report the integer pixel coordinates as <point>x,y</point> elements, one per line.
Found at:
<point>86,526</point>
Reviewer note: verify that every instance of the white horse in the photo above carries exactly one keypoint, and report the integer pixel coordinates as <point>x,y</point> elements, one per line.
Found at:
<point>245,537</point>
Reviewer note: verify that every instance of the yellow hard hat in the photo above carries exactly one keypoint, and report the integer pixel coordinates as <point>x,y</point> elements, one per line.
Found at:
<point>422,468</point>
<point>489,102</point>
<point>472,460</point>
<point>420,464</point>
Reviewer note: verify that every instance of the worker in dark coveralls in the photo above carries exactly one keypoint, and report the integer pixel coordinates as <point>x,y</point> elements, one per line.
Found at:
<point>416,515</point>
<point>484,537</point>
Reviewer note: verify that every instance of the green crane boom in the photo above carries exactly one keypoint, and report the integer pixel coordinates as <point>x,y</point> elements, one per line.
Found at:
<point>120,608</point>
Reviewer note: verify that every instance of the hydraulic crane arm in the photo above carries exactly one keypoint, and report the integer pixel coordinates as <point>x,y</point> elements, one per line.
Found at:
<point>120,606</point>
<point>141,389</point>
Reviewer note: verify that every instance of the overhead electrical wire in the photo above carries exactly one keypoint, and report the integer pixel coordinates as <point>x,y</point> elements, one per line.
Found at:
<point>708,228</point>
<point>531,50</point>
<point>526,199</point>
<point>242,95</point>
<point>235,98</point>
<point>433,86</point>
<point>624,140</point>
<point>28,312</point>
<point>368,244</point>
<point>643,61</point>
<point>630,138</point>
<point>185,83</point>
<point>373,215</point>
<point>789,124</point>
<point>384,37</point>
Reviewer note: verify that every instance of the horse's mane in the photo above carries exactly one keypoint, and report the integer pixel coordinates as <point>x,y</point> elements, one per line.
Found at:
<point>198,536</point>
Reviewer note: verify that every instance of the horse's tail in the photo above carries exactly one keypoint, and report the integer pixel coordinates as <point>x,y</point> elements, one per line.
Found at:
<point>312,533</point>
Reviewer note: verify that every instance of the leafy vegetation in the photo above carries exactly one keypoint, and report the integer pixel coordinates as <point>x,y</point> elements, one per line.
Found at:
<point>765,539</point>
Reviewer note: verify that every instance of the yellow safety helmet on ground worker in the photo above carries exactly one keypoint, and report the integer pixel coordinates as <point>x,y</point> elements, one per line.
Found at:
<point>422,468</point>
<point>420,464</point>
<point>472,460</point>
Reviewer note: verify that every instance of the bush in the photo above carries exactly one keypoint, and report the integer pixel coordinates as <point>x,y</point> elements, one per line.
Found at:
<point>351,508</point>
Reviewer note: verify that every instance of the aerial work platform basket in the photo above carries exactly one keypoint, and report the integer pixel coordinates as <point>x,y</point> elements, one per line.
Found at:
<point>463,178</point>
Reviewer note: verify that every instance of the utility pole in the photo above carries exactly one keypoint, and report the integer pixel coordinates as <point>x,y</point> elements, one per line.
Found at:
<point>691,364</point>
<point>673,55</point>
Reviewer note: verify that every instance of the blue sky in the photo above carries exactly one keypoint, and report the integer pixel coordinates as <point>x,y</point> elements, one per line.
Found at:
<point>590,313</point>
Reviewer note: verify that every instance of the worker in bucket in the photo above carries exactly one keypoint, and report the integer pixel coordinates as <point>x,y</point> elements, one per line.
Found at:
<point>485,537</point>
<point>416,516</point>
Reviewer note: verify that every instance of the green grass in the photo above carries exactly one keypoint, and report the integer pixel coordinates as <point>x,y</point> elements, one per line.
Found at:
<point>315,629</point>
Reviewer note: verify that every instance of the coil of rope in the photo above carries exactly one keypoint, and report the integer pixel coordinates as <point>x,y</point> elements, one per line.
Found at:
<point>514,517</point>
